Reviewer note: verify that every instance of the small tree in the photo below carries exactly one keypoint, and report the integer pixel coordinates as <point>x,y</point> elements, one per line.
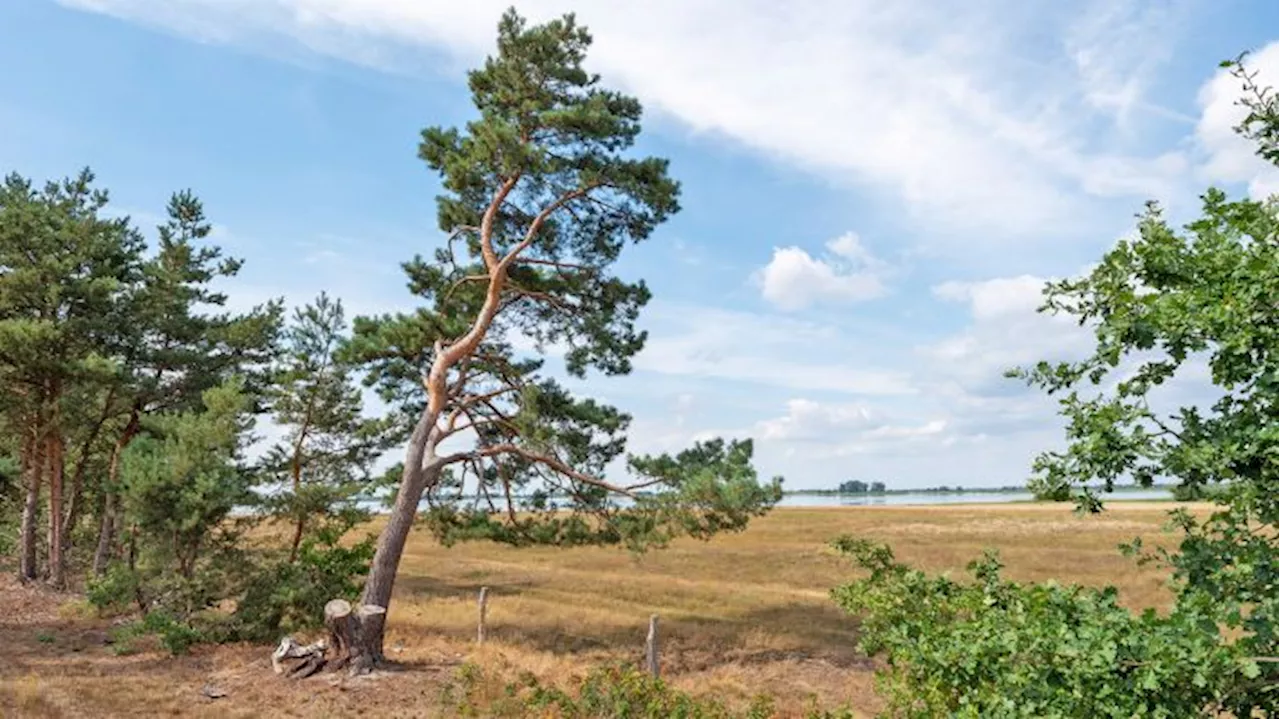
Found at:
<point>180,482</point>
<point>541,197</point>
<point>319,472</point>
<point>323,463</point>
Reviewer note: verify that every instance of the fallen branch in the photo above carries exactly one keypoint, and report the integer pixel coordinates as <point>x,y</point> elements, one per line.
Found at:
<point>297,661</point>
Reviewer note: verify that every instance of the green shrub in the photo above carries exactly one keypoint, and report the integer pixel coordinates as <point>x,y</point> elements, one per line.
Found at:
<point>114,591</point>
<point>994,648</point>
<point>285,597</point>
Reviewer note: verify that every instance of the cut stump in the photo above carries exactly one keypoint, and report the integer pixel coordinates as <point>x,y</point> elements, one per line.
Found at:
<point>347,640</point>
<point>351,647</point>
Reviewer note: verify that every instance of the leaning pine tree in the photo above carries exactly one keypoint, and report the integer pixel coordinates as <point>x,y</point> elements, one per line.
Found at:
<point>540,199</point>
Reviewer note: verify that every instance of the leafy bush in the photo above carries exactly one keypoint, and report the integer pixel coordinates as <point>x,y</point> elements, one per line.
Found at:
<point>995,648</point>
<point>285,597</point>
<point>114,591</point>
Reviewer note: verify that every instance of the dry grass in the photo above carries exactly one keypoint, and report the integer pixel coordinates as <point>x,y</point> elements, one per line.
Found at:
<point>740,615</point>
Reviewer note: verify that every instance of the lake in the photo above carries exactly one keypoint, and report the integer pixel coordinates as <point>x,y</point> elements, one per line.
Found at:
<point>913,498</point>
<point>907,499</point>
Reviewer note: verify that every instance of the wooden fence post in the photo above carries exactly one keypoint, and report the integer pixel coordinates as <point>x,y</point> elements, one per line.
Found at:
<point>651,646</point>
<point>484,608</point>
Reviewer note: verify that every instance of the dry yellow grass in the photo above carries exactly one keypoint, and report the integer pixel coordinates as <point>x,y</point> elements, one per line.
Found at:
<point>740,615</point>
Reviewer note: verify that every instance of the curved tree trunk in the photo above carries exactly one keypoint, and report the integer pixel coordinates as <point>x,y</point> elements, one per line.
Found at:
<point>386,560</point>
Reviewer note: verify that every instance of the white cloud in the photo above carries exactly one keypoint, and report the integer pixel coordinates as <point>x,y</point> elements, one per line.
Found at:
<point>1229,157</point>
<point>1116,47</point>
<point>764,349</point>
<point>794,280</point>
<point>1000,297</point>
<point>1005,331</point>
<point>809,420</point>
<point>828,429</point>
<point>963,114</point>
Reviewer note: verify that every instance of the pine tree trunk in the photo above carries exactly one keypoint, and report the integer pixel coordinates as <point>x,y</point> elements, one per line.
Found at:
<point>57,562</point>
<point>32,472</point>
<point>386,560</point>
<point>75,497</point>
<point>110,505</point>
<point>296,542</point>
<point>106,533</point>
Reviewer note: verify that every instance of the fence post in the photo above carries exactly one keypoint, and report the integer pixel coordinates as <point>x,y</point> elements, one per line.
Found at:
<point>651,646</point>
<point>484,607</point>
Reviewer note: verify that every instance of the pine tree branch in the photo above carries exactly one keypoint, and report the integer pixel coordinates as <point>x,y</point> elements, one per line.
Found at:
<point>556,265</point>
<point>550,462</point>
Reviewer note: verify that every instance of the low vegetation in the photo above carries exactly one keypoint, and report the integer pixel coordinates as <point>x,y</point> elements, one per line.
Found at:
<point>742,616</point>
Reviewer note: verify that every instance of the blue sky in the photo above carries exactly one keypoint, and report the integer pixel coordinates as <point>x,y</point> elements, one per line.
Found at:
<point>874,192</point>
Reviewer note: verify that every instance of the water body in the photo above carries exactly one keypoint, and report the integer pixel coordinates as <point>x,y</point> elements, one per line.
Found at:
<point>905,499</point>
<point>927,498</point>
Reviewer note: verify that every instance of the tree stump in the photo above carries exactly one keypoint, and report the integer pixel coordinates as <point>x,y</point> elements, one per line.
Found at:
<point>351,647</point>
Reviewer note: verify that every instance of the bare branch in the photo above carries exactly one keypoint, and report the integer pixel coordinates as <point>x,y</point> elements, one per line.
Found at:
<point>557,265</point>
<point>1163,427</point>
<point>469,278</point>
<point>453,236</point>
<point>543,297</point>
<point>549,462</point>
<point>467,403</point>
<point>536,226</point>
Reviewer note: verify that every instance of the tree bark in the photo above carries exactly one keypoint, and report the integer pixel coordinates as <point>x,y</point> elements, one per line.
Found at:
<point>110,504</point>
<point>57,562</point>
<point>419,471</point>
<point>32,472</point>
<point>75,497</point>
<point>352,636</point>
<point>297,539</point>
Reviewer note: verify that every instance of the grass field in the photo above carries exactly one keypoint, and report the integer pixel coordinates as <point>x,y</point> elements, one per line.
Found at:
<point>740,615</point>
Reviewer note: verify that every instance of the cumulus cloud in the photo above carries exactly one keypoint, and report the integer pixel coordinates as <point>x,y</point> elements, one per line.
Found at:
<point>837,429</point>
<point>809,420</point>
<point>794,279</point>
<point>692,341</point>
<point>1229,157</point>
<point>919,101</point>
<point>1004,331</point>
